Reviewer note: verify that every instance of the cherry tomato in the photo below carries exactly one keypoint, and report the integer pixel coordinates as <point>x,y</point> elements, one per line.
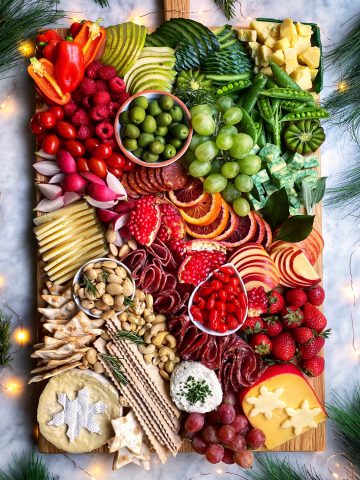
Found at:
<point>205,291</point>
<point>47,120</point>
<point>214,318</point>
<point>222,295</point>
<point>40,139</point>
<point>35,126</point>
<point>75,148</point>
<point>216,285</point>
<point>51,144</point>
<point>128,165</point>
<point>66,130</point>
<point>220,307</point>
<point>116,160</point>
<point>57,111</point>
<point>222,328</point>
<point>232,322</point>
<point>227,270</point>
<point>82,165</point>
<point>230,308</point>
<point>196,313</point>
<point>116,171</point>
<point>75,28</point>
<point>98,166</point>
<point>234,282</point>
<point>211,302</point>
<point>102,151</point>
<point>91,144</point>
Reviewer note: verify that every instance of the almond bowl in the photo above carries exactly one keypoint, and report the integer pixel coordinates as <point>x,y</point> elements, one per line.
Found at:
<point>152,95</point>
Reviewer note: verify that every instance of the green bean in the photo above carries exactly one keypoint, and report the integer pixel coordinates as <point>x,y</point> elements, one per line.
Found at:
<point>293,106</point>
<point>247,125</point>
<point>265,109</point>
<point>251,97</point>
<point>288,94</point>
<point>233,87</point>
<point>306,114</point>
<point>282,78</point>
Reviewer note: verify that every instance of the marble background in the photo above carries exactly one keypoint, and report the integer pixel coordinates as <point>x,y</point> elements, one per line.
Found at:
<point>17,259</point>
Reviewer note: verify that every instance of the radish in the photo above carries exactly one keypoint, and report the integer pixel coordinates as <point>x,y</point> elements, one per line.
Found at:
<point>58,178</point>
<point>46,205</point>
<point>97,204</point>
<point>73,182</point>
<point>126,206</point>
<point>106,216</point>
<point>42,154</point>
<point>93,178</point>
<point>66,161</point>
<point>120,221</point>
<point>119,242</point>
<point>71,197</point>
<point>50,191</point>
<point>47,168</point>
<point>115,185</point>
<point>102,193</point>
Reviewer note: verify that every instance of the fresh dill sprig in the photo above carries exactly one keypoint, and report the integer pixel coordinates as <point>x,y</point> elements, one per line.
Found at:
<point>28,466</point>
<point>90,287</point>
<point>195,97</point>
<point>116,367</point>
<point>131,336</point>
<point>5,339</point>
<point>228,7</point>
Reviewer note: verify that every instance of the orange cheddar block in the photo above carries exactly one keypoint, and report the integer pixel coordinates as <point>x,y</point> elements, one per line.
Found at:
<point>282,404</point>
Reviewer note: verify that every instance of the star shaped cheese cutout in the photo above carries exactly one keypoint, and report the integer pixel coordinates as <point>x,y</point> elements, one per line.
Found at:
<point>266,402</point>
<point>301,418</point>
<point>77,414</point>
<point>128,434</point>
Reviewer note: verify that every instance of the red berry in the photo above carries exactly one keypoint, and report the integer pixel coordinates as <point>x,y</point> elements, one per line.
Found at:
<point>88,86</point>
<point>70,108</point>
<point>313,318</point>
<point>283,347</point>
<point>101,98</point>
<point>311,348</point>
<point>104,130</point>
<point>117,85</point>
<point>302,334</point>
<point>272,326</point>
<point>106,72</point>
<point>252,325</point>
<point>261,343</point>
<point>276,302</point>
<point>313,367</point>
<point>93,69</point>
<point>80,118</point>
<point>296,297</point>
<point>98,113</point>
<point>101,86</point>
<point>84,132</point>
<point>316,295</point>
<point>292,317</point>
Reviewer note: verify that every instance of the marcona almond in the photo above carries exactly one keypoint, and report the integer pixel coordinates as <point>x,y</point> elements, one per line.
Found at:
<point>91,356</point>
<point>102,306</point>
<point>91,274</point>
<point>98,368</point>
<point>81,292</point>
<point>112,278</point>
<point>107,264</point>
<point>108,299</point>
<point>109,314</point>
<point>121,272</point>
<point>96,311</point>
<point>100,288</point>
<point>114,289</point>
<point>89,304</point>
<point>110,235</point>
<point>124,250</point>
<point>132,244</point>
<point>113,249</point>
<point>128,287</point>
<point>87,267</point>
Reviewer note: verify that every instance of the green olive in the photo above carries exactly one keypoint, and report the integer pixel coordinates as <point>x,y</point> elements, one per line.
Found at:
<point>176,143</point>
<point>131,131</point>
<point>160,139</point>
<point>145,139</point>
<point>156,147</point>
<point>176,113</point>
<point>124,117</point>
<point>137,115</point>
<point>166,103</point>
<point>180,131</point>
<point>149,124</point>
<point>154,108</point>
<point>162,131</point>
<point>138,152</point>
<point>150,157</point>
<point>163,119</point>
<point>169,151</point>
<point>140,102</point>
<point>130,144</point>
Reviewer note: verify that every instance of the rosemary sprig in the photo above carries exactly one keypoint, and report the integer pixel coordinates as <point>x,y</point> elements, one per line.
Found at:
<point>195,97</point>
<point>28,466</point>
<point>102,3</point>
<point>104,276</point>
<point>128,302</point>
<point>116,367</point>
<point>228,7</point>
<point>89,285</point>
<point>5,339</point>
<point>131,336</point>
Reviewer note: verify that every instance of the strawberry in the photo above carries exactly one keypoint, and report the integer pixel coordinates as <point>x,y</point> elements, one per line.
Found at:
<point>292,317</point>
<point>261,343</point>
<point>272,326</point>
<point>283,347</point>
<point>313,367</point>
<point>313,318</point>
<point>302,334</point>
<point>316,295</point>
<point>253,325</point>
<point>311,348</point>
<point>296,297</point>
<point>276,302</point>
<point>257,301</point>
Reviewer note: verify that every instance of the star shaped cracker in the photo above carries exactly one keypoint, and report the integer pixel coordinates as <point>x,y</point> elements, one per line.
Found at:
<point>301,418</point>
<point>124,456</point>
<point>266,402</point>
<point>128,434</point>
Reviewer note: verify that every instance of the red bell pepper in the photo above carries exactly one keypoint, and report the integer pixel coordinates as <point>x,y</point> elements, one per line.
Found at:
<point>43,73</point>
<point>50,49</point>
<point>75,28</point>
<point>69,65</point>
<point>90,38</point>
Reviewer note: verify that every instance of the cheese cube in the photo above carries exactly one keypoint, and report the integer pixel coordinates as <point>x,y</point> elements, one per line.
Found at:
<point>282,44</point>
<point>313,72</point>
<point>266,71</point>
<point>296,163</point>
<point>269,152</point>
<point>270,188</point>
<point>291,63</point>
<point>302,76</point>
<point>254,46</point>
<point>246,35</point>
<point>270,42</point>
<point>263,54</point>
<point>288,30</point>
<point>278,57</point>
<point>302,44</point>
<point>311,57</point>
<point>304,30</point>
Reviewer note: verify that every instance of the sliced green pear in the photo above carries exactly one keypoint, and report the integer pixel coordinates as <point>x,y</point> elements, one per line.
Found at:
<point>149,82</point>
<point>132,75</point>
<point>158,51</point>
<point>139,45</point>
<point>110,34</point>
<point>154,74</point>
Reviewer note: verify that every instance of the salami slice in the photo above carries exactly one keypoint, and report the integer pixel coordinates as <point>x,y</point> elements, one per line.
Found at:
<point>150,278</point>
<point>167,302</point>
<point>151,174</point>
<point>173,176</point>
<point>145,176</point>
<point>211,354</point>
<point>135,261</point>
<point>125,182</point>
<point>159,250</point>
<point>158,178</point>
<point>138,179</point>
<point>170,282</point>
<point>133,183</point>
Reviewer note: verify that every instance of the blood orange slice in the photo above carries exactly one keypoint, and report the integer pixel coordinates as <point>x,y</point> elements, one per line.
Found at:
<point>204,212</point>
<point>231,226</point>
<point>244,232</point>
<point>260,232</point>
<point>268,236</point>
<point>214,228</point>
<point>190,195</point>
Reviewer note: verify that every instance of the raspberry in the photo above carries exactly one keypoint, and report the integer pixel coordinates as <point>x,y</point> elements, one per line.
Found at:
<point>88,86</point>
<point>92,69</point>
<point>98,113</point>
<point>84,132</point>
<point>112,142</point>
<point>85,102</point>
<point>101,86</point>
<point>101,97</point>
<point>104,130</point>
<point>70,108</point>
<point>106,72</point>
<point>113,108</point>
<point>80,118</point>
<point>117,85</point>
<point>77,96</point>
<point>120,97</point>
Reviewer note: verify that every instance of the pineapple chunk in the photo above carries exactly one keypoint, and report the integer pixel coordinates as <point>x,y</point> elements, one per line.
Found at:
<point>266,71</point>
<point>302,76</point>
<point>263,54</point>
<point>264,29</point>
<point>314,72</point>
<point>291,63</point>
<point>288,30</point>
<point>278,57</point>
<point>270,42</point>
<point>254,47</point>
<point>302,44</point>
<point>304,30</point>
<point>246,35</point>
<point>311,57</point>
<point>282,44</point>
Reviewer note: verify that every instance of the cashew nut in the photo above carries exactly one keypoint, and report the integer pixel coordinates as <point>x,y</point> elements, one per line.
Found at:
<point>159,318</point>
<point>169,366</point>
<point>159,327</point>
<point>161,365</point>
<point>165,375</point>
<point>166,351</point>
<point>171,341</point>
<point>147,337</point>
<point>147,349</point>
<point>149,357</point>
<point>126,326</point>
<point>159,338</point>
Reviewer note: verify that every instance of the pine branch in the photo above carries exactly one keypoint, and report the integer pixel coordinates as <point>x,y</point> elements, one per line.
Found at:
<point>27,467</point>
<point>102,3</point>
<point>228,7</point>
<point>5,339</point>
<point>19,21</point>
<point>272,468</point>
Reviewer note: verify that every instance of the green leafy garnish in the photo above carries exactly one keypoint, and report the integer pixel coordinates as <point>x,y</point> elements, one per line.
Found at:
<point>102,3</point>
<point>128,302</point>
<point>195,97</point>
<point>295,229</point>
<point>104,276</point>
<point>195,390</point>
<point>28,466</point>
<point>228,7</point>
<point>5,339</point>
<point>131,336</point>
<point>90,287</point>
<point>115,366</point>
<point>276,209</point>
<point>312,196</point>
<point>271,468</point>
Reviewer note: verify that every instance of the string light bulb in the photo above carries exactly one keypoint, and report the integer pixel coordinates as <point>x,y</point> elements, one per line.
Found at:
<point>137,20</point>
<point>12,386</point>
<point>21,336</point>
<point>342,86</point>
<point>27,48</point>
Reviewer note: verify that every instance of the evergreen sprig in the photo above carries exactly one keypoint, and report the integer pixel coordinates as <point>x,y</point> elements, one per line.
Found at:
<point>5,339</point>
<point>19,21</point>
<point>272,468</point>
<point>102,3</point>
<point>228,7</point>
<point>28,466</point>
<point>195,97</point>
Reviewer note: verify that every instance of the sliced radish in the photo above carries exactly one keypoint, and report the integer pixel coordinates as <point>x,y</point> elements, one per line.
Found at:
<point>71,197</point>
<point>66,161</point>
<point>119,242</point>
<point>97,204</point>
<point>50,191</point>
<point>120,221</point>
<point>42,154</point>
<point>46,205</point>
<point>106,216</point>
<point>58,178</point>
<point>125,206</point>
<point>93,178</point>
<point>102,193</point>
<point>47,168</point>
<point>115,185</point>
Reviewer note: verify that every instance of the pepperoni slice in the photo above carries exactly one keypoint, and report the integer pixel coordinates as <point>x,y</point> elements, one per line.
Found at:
<point>173,176</point>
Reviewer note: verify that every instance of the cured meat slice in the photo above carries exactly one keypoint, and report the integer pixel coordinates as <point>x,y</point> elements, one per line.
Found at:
<point>159,250</point>
<point>133,183</point>
<point>170,282</point>
<point>151,174</point>
<point>145,176</point>
<point>135,261</point>
<point>159,179</point>
<point>125,182</point>
<point>150,279</point>
<point>167,302</point>
<point>173,176</point>
<point>211,353</point>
